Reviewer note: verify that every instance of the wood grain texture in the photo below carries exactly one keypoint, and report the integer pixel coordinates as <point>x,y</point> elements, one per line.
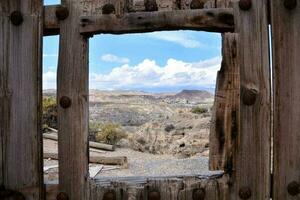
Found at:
<point>252,167</point>
<point>72,82</point>
<point>20,97</point>
<point>51,23</point>
<point>286,62</point>
<point>212,20</point>
<point>224,123</point>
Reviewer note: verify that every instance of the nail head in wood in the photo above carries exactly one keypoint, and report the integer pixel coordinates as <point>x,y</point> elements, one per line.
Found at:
<point>65,102</point>
<point>245,4</point>
<point>16,18</point>
<point>62,196</point>
<point>62,13</point>
<point>151,5</point>
<point>108,9</point>
<point>154,195</point>
<point>197,4</point>
<point>293,188</point>
<point>199,194</point>
<point>245,193</point>
<point>290,4</point>
<point>249,95</point>
<point>111,195</point>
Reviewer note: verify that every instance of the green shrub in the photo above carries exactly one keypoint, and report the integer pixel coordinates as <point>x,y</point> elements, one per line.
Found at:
<point>199,110</point>
<point>49,113</point>
<point>110,133</point>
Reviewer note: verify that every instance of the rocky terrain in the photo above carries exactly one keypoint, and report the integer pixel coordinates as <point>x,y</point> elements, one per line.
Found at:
<point>157,123</point>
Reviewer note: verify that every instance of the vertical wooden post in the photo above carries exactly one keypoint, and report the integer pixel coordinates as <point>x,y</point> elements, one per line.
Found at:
<point>286,62</point>
<point>224,123</point>
<point>251,177</point>
<point>72,86</point>
<point>21,29</point>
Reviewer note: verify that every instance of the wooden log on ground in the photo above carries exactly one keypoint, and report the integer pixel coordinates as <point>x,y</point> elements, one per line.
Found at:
<point>212,20</point>
<point>95,145</point>
<point>118,160</point>
<point>21,31</point>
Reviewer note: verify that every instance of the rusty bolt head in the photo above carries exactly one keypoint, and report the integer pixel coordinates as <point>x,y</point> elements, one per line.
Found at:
<point>245,193</point>
<point>249,95</point>
<point>197,4</point>
<point>245,4</point>
<point>62,13</point>
<point>293,188</point>
<point>62,196</point>
<point>16,18</point>
<point>111,195</point>
<point>151,5</point>
<point>199,194</point>
<point>65,102</point>
<point>108,9</point>
<point>154,195</point>
<point>290,4</point>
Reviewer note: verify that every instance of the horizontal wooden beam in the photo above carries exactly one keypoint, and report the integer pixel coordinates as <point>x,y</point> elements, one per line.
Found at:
<point>211,20</point>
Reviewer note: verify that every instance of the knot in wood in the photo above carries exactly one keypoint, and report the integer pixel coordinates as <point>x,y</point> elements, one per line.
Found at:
<point>245,193</point>
<point>62,13</point>
<point>290,4</point>
<point>16,18</point>
<point>151,5</point>
<point>293,188</point>
<point>110,195</point>
<point>154,195</point>
<point>245,4</point>
<point>108,9</point>
<point>197,4</point>
<point>62,196</point>
<point>199,194</point>
<point>249,95</point>
<point>65,102</point>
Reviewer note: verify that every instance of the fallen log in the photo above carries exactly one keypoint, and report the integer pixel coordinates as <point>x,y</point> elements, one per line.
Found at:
<point>95,145</point>
<point>118,160</point>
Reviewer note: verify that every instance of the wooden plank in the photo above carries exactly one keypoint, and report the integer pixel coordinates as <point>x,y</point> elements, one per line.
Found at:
<point>224,123</point>
<point>211,20</point>
<point>252,167</point>
<point>20,97</point>
<point>51,23</point>
<point>286,61</point>
<point>72,94</point>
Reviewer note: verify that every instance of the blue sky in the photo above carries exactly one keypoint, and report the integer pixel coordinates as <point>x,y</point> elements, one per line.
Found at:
<point>154,62</point>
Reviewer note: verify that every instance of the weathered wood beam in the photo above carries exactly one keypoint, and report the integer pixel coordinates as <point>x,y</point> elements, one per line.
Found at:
<point>211,20</point>
<point>20,98</point>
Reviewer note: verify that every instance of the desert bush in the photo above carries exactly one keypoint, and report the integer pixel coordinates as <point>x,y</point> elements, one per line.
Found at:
<point>169,127</point>
<point>49,113</point>
<point>199,110</point>
<point>110,133</point>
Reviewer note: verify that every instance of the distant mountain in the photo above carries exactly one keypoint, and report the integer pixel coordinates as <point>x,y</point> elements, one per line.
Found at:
<point>193,95</point>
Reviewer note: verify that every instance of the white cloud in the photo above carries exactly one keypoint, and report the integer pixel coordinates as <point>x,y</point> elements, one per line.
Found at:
<point>114,58</point>
<point>182,38</point>
<point>49,55</point>
<point>148,74</point>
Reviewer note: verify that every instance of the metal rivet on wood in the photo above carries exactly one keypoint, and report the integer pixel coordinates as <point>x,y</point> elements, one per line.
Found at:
<point>108,9</point>
<point>197,4</point>
<point>245,193</point>
<point>16,18</point>
<point>62,196</point>
<point>154,195</point>
<point>199,194</point>
<point>290,4</point>
<point>245,4</point>
<point>62,13</point>
<point>249,95</point>
<point>151,5</point>
<point>111,195</point>
<point>65,102</point>
<point>293,188</point>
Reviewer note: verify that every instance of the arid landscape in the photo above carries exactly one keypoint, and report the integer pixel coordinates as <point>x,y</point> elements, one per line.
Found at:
<point>152,130</point>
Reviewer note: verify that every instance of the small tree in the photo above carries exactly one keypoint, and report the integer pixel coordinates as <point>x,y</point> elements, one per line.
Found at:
<point>199,110</point>
<point>49,113</point>
<point>110,133</point>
